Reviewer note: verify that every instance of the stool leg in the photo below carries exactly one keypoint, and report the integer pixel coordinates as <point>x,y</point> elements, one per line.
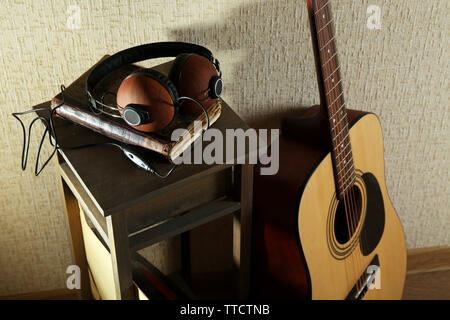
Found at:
<point>120,256</point>
<point>78,253</point>
<point>242,228</point>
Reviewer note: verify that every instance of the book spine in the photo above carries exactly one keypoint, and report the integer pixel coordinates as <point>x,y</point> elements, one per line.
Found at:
<point>110,128</point>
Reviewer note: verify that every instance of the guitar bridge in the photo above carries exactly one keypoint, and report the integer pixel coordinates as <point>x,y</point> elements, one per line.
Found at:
<point>359,290</point>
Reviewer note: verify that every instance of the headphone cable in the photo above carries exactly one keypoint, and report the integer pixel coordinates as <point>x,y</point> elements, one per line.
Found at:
<point>152,170</point>
<point>51,130</point>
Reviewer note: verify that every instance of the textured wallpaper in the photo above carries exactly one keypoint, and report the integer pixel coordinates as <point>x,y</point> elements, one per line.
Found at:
<point>397,68</point>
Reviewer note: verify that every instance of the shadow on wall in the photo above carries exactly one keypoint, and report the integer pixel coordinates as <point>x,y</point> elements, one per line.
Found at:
<point>265,41</point>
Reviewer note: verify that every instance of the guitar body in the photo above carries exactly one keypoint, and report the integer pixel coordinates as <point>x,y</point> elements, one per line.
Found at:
<point>300,249</point>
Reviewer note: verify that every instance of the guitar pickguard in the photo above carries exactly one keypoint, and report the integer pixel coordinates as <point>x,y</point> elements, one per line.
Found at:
<point>373,227</point>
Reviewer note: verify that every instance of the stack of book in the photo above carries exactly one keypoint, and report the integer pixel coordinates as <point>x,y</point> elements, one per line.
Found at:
<point>75,108</point>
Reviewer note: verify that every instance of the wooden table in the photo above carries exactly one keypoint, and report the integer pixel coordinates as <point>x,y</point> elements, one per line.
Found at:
<point>122,201</point>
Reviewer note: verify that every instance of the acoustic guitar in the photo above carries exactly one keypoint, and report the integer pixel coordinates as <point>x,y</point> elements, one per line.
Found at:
<point>324,226</point>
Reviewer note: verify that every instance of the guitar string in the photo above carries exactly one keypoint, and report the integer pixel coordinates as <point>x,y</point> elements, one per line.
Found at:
<point>357,218</point>
<point>348,269</point>
<point>343,129</point>
<point>330,106</point>
<point>355,208</point>
<point>350,200</point>
<point>355,214</point>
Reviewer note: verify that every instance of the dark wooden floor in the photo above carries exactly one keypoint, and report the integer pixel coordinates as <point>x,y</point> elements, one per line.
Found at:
<point>433,285</point>
<point>428,275</point>
<point>428,278</point>
<point>57,294</point>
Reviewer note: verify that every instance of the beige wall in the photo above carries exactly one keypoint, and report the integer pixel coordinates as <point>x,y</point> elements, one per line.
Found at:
<point>400,72</point>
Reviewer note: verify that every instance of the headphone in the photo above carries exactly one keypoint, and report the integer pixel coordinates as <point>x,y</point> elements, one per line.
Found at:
<point>148,100</point>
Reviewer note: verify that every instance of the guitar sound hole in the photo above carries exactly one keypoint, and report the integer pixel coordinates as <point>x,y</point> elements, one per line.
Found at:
<point>347,216</point>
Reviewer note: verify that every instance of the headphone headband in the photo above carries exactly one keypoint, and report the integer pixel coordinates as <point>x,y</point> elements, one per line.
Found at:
<point>141,53</point>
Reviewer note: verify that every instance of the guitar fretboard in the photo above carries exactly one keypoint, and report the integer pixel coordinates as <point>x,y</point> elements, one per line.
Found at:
<point>333,93</point>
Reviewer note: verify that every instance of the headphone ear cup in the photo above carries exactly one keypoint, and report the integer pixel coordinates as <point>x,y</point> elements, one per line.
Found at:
<point>154,94</point>
<point>195,77</point>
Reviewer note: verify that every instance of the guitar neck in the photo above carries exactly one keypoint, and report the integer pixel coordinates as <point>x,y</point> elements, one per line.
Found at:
<point>331,93</point>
